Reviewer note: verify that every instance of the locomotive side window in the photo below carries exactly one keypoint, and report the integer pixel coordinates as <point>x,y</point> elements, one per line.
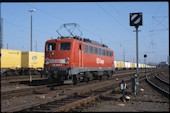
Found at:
<point>104,52</point>
<point>107,54</point>
<point>51,46</point>
<point>95,51</point>
<point>91,49</point>
<point>111,53</point>
<point>85,49</point>
<point>100,51</point>
<point>64,46</point>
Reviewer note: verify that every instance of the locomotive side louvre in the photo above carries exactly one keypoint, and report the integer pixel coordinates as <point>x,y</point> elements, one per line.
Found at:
<point>82,59</point>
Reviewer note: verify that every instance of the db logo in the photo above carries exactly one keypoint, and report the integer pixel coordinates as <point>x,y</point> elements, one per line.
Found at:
<point>47,61</point>
<point>99,61</point>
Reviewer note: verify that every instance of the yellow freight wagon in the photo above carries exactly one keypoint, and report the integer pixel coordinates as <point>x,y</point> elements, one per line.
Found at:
<point>132,65</point>
<point>10,58</point>
<point>32,59</point>
<point>117,64</point>
<point>122,64</point>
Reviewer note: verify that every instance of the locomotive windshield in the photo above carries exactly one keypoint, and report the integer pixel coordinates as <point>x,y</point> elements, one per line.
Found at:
<point>65,46</point>
<point>51,46</point>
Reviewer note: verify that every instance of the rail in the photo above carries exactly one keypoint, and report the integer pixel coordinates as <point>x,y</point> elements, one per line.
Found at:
<point>156,84</point>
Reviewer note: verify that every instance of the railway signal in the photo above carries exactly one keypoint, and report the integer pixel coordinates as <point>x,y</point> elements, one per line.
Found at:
<point>136,21</point>
<point>145,61</point>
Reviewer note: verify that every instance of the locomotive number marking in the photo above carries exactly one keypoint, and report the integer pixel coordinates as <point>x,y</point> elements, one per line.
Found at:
<point>53,61</point>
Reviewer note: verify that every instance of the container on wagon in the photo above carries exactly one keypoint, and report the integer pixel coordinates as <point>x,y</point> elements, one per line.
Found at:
<point>132,65</point>
<point>122,64</point>
<point>118,64</point>
<point>32,60</point>
<point>10,58</point>
<point>127,65</point>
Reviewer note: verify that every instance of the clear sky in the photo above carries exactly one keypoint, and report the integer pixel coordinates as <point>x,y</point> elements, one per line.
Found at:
<point>106,22</point>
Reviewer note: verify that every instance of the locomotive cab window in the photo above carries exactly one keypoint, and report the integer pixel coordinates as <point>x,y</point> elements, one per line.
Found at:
<point>65,46</point>
<point>51,46</point>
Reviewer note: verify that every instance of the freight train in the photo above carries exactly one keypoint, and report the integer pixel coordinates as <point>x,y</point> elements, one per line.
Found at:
<point>120,65</point>
<point>75,59</point>
<point>16,62</point>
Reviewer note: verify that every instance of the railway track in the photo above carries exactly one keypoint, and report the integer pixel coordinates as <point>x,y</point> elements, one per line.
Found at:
<point>25,79</point>
<point>8,78</point>
<point>69,102</point>
<point>20,77</point>
<point>158,83</point>
<point>42,86</point>
<point>21,81</point>
<point>83,97</point>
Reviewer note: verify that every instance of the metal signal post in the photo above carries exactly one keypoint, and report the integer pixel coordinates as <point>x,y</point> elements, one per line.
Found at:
<point>136,20</point>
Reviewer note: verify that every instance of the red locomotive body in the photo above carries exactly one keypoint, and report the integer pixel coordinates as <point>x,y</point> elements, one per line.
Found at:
<point>76,59</point>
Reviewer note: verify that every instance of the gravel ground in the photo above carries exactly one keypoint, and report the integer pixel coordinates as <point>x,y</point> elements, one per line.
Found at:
<point>7,103</point>
<point>148,100</point>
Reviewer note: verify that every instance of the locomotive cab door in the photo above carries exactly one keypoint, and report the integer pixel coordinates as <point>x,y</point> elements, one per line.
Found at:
<point>50,52</point>
<point>80,54</point>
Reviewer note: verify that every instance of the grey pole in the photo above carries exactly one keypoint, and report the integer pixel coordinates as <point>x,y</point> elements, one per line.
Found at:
<point>136,78</point>
<point>31,10</point>
<point>31,34</point>
<point>1,33</point>
<point>137,49</point>
<point>36,46</point>
<point>124,56</point>
<point>145,64</point>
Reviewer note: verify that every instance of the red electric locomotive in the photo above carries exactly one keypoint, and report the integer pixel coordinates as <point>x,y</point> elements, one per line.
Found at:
<point>74,59</point>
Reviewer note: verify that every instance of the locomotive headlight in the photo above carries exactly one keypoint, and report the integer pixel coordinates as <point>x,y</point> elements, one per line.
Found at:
<point>67,60</point>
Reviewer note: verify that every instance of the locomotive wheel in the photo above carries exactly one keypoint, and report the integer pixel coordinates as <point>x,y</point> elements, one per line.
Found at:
<point>86,79</point>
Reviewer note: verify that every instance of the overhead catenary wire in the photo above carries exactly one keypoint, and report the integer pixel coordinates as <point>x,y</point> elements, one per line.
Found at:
<point>115,19</point>
<point>65,20</point>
